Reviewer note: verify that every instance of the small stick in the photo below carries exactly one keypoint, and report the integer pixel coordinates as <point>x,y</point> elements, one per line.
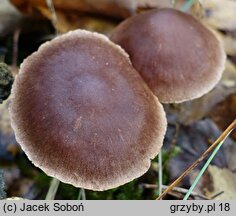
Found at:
<point>176,189</point>
<point>216,195</point>
<point>184,191</point>
<point>15,47</point>
<point>200,159</point>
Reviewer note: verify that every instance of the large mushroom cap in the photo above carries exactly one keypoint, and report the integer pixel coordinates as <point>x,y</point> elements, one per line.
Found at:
<point>177,56</point>
<point>84,115</point>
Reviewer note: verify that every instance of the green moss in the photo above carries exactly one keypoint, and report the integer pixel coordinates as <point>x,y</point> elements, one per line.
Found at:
<point>42,181</point>
<point>6,81</point>
<point>2,192</point>
<point>129,191</point>
<point>67,192</point>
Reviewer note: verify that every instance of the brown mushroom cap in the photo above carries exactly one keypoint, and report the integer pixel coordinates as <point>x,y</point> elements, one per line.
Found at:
<point>178,57</point>
<point>83,114</point>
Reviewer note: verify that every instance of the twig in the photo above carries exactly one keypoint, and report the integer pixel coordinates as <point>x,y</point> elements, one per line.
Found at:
<point>176,189</point>
<point>200,159</point>
<point>52,189</point>
<point>216,195</point>
<point>184,191</point>
<point>16,36</point>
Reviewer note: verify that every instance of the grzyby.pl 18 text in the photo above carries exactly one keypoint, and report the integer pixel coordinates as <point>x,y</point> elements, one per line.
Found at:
<point>199,208</point>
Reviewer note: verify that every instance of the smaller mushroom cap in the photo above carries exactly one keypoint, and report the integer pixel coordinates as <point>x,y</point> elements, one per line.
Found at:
<point>83,114</point>
<point>178,57</point>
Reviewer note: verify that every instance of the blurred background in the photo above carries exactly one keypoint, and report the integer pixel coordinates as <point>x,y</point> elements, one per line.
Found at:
<point>192,126</point>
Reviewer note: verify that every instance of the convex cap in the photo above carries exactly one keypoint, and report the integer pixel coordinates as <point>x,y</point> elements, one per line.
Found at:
<point>178,57</point>
<point>83,114</point>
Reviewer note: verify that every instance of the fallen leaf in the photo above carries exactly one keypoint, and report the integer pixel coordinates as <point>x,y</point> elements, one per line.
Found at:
<point>94,16</point>
<point>220,14</point>
<point>229,43</point>
<point>222,180</point>
<point>71,21</point>
<point>204,184</point>
<point>224,112</point>
<point>112,8</point>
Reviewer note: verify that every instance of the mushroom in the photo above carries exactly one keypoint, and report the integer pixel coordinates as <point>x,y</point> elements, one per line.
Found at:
<point>178,57</point>
<point>83,114</point>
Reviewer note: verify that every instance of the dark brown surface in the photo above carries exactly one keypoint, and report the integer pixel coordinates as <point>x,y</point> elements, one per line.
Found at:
<point>177,56</point>
<point>84,115</point>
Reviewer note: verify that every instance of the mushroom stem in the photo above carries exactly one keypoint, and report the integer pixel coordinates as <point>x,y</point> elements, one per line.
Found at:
<point>54,19</point>
<point>160,172</point>
<point>82,195</point>
<point>228,130</point>
<point>52,189</point>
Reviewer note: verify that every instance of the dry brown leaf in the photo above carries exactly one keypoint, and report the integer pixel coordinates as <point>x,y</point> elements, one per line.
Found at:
<point>70,21</point>
<point>80,13</point>
<point>223,180</point>
<point>224,112</point>
<point>85,14</point>
<point>220,14</point>
<point>229,44</point>
<point>196,9</point>
<point>113,8</point>
<point>227,38</point>
<point>205,183</point>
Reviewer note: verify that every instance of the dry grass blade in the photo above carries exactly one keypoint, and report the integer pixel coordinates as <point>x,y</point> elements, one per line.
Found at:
<point>231,127</point>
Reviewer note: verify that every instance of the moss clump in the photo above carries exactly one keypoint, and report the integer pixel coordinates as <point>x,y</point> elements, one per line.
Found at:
<point>6,81</point>
<point>2,192</point>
